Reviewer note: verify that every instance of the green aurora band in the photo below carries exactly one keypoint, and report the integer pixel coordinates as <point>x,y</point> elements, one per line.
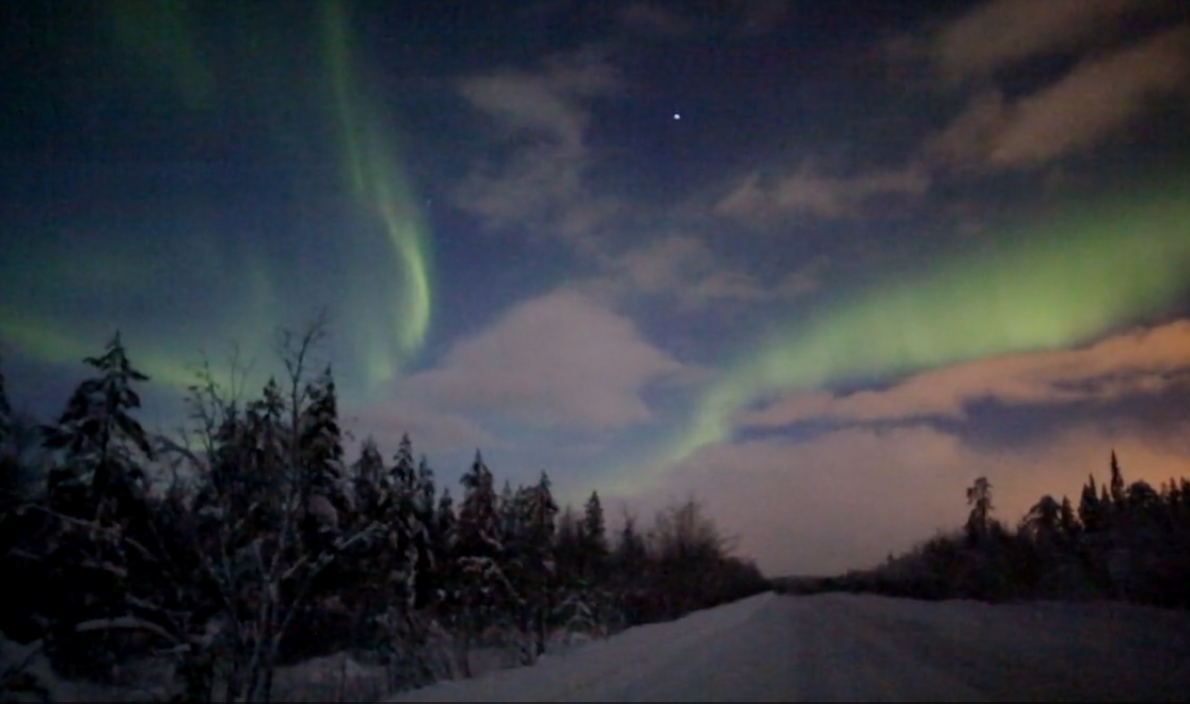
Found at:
<point>1062,284</point>
<point>386,330</point>
<point>379,186</point>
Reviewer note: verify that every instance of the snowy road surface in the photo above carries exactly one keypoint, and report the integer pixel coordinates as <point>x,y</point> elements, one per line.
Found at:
<point>839,647</point>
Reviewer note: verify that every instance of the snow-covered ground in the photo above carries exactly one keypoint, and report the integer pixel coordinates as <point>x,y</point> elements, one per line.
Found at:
<point>833,647</point>
<point>848,648</point>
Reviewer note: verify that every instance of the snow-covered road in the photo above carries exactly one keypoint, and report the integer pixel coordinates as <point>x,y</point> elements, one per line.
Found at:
<point>861,648</point>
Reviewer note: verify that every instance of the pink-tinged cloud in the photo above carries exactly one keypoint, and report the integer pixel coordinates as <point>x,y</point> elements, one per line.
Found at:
<point>558,360</point>
<point>1138,362</point>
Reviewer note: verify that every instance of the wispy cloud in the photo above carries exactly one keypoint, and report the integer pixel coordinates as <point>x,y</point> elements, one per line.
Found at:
<point>809,193</point>
<point>1096,99</point>
<point>541,117</point>
<point>763,16</point>
<point>1002,33</point>
<point>655,20</point>
<point>734,19</point>
<point>686,271</point>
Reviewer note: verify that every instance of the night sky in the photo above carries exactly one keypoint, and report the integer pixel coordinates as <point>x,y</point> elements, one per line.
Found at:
<point>818,264</point>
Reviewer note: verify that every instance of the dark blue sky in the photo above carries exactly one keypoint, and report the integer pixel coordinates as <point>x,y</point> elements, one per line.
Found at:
<point>781,254</point>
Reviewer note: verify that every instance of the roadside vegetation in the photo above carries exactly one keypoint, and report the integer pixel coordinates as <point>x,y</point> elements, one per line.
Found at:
<point>1122,541</point>
<point>252,544</point>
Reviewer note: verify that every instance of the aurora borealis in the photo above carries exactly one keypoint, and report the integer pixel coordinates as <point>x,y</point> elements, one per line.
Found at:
<point>1063,285</point>
<point>519,248</point>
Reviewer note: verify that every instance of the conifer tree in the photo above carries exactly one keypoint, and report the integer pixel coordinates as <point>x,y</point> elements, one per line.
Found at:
<point>1118,496</point>
<point>367,472</point>
<point>5,413</point>
<point>11,479</point>
<point>321,449</point>
<point>97,481</point>
<point>1090,508</point>
<point>484,590</point>
<point>595,548</point>
<point>100,438</point>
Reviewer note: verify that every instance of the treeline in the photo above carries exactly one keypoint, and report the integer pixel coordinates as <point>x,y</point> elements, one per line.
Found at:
<point>253,542</point>
<point>1124,541</point>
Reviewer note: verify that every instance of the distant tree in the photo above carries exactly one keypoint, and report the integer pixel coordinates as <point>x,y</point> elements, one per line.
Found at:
<point>1118,495</point>
<point>631,560</point>
<point>1043,521</point>
<point>1091,510</point>
<point>979,498</point>
<point>1068,520</point>
<point>595,548</point>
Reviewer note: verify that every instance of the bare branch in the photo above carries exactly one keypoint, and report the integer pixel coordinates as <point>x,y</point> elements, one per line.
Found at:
<point>125,623</point>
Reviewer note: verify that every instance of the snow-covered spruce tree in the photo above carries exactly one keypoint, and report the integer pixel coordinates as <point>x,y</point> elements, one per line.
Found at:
<point>364,594</point>
<point>96,512</point>
<point>596,574</point>
<point>534,564</point>
<point>443,539</point>
<point>403,550</point>
<point>98,472</point>
<point>586,604</point>
<point>631,567</point>
<point>321,447</point>
<point>573,610</point>
<point>483,592</point>
<point>428,578</point>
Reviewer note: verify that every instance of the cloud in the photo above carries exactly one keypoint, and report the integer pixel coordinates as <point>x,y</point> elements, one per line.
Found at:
<point>1095,99</point>
<point>1135,363</point>
<point>763,16</point>
<point>809,193</point>
<point>735,19</point>
<point>651,19</point>
<point>686,270</point>
<point>542,117</point>
<point>1002,33</point>
<point>432,431</point>
<point>847,498</point>
<point>556,361</point>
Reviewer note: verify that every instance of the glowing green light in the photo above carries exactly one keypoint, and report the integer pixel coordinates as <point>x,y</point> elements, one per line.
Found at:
<point>1062,285</point>
<point>379,187</point>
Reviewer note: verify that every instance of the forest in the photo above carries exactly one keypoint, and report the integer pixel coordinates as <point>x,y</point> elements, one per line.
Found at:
<point>250,542</point>
<point>1124,541</point>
